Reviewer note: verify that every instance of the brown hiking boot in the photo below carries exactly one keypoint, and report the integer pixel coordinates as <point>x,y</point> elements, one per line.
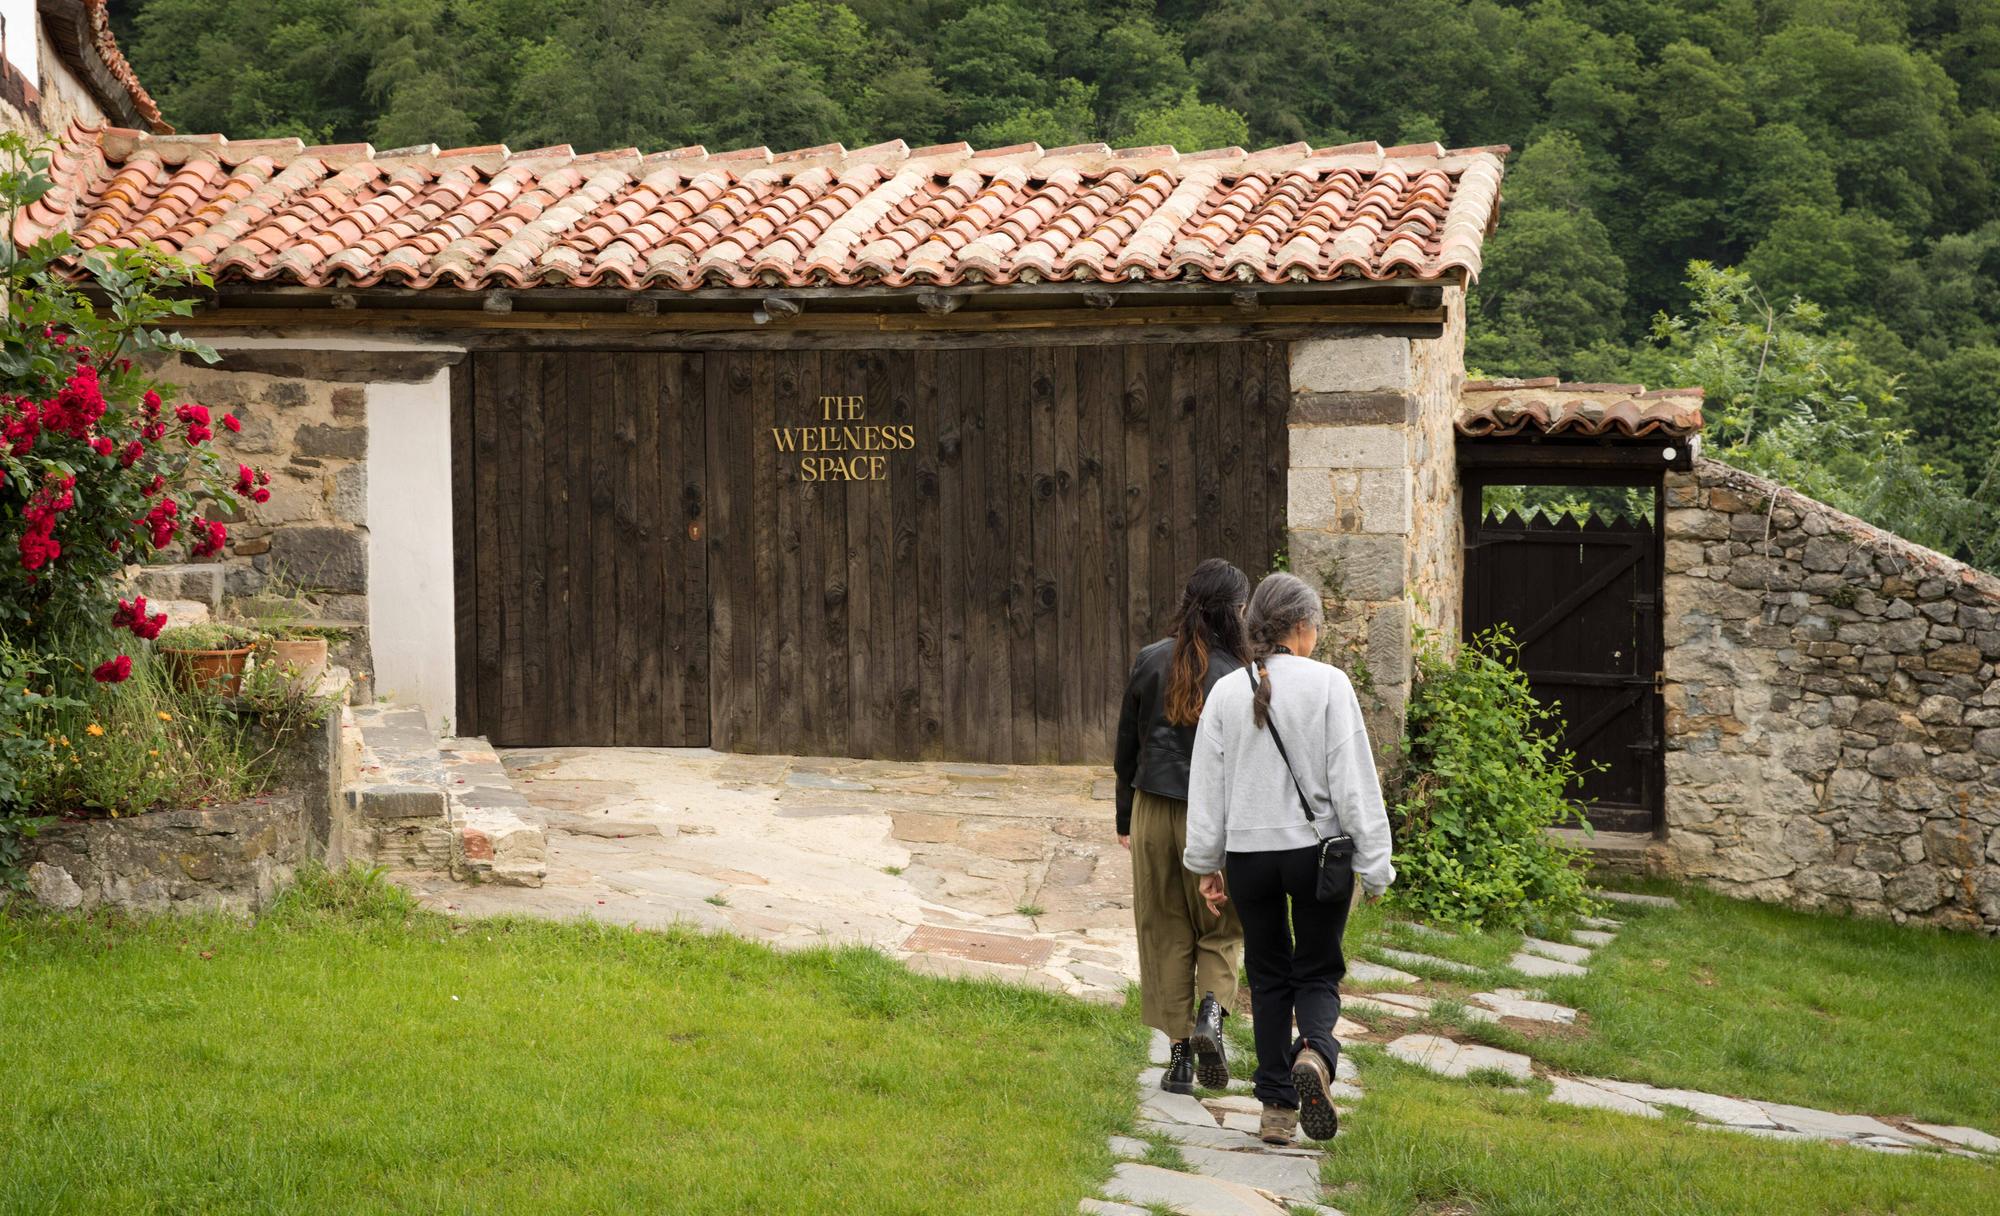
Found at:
<point>1278,1126</point>
<point>1313,1079</point>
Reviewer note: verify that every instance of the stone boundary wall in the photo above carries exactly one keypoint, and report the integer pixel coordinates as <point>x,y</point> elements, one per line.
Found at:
<point>235,858</point>
<point>1372,503</point>
<point>1832,709</point>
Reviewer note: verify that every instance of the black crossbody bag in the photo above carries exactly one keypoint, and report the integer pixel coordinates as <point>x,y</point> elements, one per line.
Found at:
<point>1335,882</point>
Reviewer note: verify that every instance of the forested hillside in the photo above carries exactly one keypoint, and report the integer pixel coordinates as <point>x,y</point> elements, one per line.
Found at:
<point>1838,157</point>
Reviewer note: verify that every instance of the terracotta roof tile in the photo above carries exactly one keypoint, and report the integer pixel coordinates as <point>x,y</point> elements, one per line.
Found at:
<point>1545,406</point>
<point>274,210</point>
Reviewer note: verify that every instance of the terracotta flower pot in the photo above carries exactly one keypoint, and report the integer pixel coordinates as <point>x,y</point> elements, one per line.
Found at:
<point>304,660</point>
<point>215,671</point>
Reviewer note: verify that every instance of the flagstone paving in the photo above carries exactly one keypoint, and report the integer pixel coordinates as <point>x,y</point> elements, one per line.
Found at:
<point>1410,958</point>
<point>937,864</point>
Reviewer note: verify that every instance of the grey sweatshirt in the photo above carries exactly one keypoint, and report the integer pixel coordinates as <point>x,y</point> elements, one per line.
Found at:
<point>1241,798</point>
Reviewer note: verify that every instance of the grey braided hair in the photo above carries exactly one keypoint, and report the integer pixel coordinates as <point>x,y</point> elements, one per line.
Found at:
<point>1280,602</point>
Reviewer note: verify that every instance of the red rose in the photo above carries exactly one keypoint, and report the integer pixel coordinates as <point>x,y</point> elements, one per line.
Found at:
<point>231,421</point>
<point>114,671</point>
<point>130,456</point>
<point>102,446</point>
<point>129,612</point>
<point>212,539</point>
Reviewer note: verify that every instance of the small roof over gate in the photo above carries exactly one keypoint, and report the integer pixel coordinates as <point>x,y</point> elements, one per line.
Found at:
<point>279,212</point>
<point>1545,406</point>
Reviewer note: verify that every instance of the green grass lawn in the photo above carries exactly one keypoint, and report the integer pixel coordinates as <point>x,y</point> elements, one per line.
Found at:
<point>348,1053</point>
<point>1419,1144</point>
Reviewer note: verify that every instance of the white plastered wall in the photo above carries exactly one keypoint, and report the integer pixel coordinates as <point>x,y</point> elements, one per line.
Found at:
<point>411,626</point>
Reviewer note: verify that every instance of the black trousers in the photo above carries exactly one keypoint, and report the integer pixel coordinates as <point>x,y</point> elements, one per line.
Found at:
<point>1291,950</point>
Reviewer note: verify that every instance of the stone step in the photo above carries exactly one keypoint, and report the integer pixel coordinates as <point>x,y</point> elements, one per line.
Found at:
<point>398,813</point>
<point>498,835</point>
<point>440,805</point>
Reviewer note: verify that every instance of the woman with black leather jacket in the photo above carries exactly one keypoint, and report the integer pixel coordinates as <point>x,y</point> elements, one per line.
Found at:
<point>1186,949</point>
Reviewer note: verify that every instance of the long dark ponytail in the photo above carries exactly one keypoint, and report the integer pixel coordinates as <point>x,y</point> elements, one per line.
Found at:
<point>1280,603</point>
<point>1210,617</point>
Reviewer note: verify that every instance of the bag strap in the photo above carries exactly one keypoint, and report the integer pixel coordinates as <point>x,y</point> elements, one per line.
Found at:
<point>1271,725</point>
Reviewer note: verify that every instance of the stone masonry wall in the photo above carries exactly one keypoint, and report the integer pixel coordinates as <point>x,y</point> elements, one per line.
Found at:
<point>304,415</point>
<point>309,542</point>
<point>1372,503</point>
<point>1833,709</point>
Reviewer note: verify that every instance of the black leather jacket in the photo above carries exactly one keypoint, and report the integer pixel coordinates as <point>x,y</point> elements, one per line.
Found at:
<point>1153,753</point>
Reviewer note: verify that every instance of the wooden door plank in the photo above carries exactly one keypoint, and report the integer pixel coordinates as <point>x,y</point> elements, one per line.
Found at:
<point>1137,404</point>
<point>1233,521</point>
<point>622,655</point>
<point>984,521</point>
<point>863,692</point>
<point>1186,526</point>
<point>780,625</point>
<point>488,526</point>
<point>765,492</point>
<point>560,442</point>
<point>647,556</point>
<point>464,546</point>
<point>1045,510</point>
<point>533,592</point>
<point>725,683</point>
<point>997,559</point>
<point>800,385</point>
<point>1019,404</point>
<point>1100,448</point>
<point>1206,430</point>
<point>1069,571</point>
<point>1276,443</point>
<point>685,375</point>
<point>883,644</point>
<point>913,492</point>
<point>955,735</point>
<point>836,584</point>
<point>606,667</point>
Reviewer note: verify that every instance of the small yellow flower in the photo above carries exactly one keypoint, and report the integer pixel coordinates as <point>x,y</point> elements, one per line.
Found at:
<point>154,752</point>
<point>165,716</point>
<point>94,729</point>
<point>65,740</point>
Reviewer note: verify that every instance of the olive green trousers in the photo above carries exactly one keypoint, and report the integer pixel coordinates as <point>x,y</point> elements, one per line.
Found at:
<point>1184,949</point>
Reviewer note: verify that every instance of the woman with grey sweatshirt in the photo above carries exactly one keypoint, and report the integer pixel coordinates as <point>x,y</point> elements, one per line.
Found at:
<point>1246,819</point>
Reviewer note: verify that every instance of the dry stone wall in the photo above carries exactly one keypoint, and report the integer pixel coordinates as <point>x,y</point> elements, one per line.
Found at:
<point>1372,506</point>
<point>1833,709</point>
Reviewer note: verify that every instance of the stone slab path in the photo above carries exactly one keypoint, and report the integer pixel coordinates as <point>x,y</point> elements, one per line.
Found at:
<point>1227,1170</point>
<point>1451,1058</point>
<point>1006,872</point>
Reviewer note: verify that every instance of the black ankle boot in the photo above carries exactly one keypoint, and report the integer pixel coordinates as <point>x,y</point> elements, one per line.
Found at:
<point>1211,1059</point>
<point>1179,1078</point>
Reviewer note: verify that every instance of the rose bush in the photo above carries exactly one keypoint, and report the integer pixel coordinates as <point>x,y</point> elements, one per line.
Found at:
<point>98,471</point>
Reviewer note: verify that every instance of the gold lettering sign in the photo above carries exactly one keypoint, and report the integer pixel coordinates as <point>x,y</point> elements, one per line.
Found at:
<point>844,446</point>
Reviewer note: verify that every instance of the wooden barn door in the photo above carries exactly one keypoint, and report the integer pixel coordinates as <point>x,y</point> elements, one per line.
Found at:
<point>980,593</point>
<point>581,565</point>
<point>1574,572</point>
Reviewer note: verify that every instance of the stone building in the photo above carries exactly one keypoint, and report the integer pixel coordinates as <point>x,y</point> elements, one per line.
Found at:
<point>902,452</point>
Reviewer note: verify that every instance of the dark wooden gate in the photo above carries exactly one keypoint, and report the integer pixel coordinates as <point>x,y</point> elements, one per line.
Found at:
<point>983,599</point>
<point>976,595</point>
<point>581,568</point>
<point>1581,593</point>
